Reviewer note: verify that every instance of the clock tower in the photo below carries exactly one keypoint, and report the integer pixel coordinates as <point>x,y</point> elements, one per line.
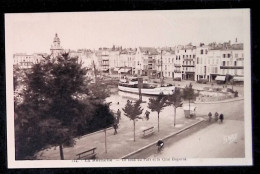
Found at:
<point>56,49</point>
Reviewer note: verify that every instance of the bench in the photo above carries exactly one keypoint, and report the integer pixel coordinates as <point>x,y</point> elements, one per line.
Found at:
<point>148,131</point>
<point>88,154</point>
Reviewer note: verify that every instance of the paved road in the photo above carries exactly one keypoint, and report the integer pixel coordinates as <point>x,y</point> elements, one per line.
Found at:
<point>216,141</point>
<point>224,140</point>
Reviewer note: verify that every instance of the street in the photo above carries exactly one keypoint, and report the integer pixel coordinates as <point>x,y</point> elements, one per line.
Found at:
<point>217,140</point>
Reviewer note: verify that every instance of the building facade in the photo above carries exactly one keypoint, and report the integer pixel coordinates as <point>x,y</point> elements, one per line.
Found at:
<point>188,54</point>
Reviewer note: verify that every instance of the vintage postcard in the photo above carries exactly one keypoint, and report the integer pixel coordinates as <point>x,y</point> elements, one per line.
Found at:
<point>128,88</point>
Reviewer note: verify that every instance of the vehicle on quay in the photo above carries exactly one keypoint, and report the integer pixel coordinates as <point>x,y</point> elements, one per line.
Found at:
<point>131,85</point>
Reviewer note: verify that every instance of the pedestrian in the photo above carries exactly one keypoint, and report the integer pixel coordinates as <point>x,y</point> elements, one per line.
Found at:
<point>147,113</point>
<point>210,116</point>
<point>115,126</point>
<point>160,145</point>
<point>119,114</point>
<point>216,116</point>
<point>221,117</point>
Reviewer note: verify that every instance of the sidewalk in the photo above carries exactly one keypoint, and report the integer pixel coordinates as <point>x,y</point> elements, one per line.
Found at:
<point>122,143</point>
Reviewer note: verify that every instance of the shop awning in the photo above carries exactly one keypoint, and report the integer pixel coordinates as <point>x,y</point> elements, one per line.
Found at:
<point>221,78</point>
<point>238,79</point>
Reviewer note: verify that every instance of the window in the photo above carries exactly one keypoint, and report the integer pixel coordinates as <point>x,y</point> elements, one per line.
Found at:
<point>228,55</point>
<point>227,63</point>
<point>206,51</point>
<point>223,63</point>
<point>197,60</point>
<point>201,51</point>
<point>224,55</point>
<point>235,63</point>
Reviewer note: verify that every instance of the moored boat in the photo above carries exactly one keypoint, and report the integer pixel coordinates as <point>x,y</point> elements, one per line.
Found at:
<point>131,85</point>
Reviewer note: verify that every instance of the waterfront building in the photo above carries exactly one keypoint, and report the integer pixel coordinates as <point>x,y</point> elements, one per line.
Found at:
<point>202,62</point>
<point>232,61</point>
<point>167,68</point>
<point>102,60</point>
<point>178,62</point>
<point>188,54</point>
<point>145,61</point>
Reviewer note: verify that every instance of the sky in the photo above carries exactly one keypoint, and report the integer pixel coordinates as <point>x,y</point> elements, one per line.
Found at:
<point>34,32</point>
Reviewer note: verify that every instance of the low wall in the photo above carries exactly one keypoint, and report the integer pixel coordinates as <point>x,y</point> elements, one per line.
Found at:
<point>151,149</point>
<point>210,99</point>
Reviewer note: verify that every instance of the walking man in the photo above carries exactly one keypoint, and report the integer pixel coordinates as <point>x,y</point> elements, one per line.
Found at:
<point>115,128</point>
<point>160,145</point>
<point>221,117</point>
<point>216,116</point>
<point>210,116</point>
<point>118,114</point>
<point>147,113</point>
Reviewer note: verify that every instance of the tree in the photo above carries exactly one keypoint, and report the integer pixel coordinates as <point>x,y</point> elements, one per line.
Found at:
<point>175,100</point>
<point>133,111</point>
<point>157,104</point>
<point>52,105</point>
<point>99,91</point>
<point>188,93</point>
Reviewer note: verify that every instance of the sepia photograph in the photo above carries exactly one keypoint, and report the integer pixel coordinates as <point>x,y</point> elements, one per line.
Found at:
<point>128,88</point>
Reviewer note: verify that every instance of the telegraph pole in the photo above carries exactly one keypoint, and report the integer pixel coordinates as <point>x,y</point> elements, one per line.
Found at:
<point>161,70</point>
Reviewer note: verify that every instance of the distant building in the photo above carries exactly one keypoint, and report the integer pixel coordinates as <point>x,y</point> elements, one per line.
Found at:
<point>25,61</point>
<point>145,61</point>
<point>168,56</point>
<point>188,54</point>
<point>178,61</point>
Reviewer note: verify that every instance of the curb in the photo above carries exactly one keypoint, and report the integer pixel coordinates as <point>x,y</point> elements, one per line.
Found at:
<point>216,102</point>
<point>164,138</point>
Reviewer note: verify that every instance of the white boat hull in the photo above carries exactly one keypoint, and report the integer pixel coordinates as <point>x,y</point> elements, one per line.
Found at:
<point>155,91</point>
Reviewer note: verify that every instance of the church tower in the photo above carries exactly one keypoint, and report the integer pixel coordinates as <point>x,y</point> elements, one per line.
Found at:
<point>56,49</point>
